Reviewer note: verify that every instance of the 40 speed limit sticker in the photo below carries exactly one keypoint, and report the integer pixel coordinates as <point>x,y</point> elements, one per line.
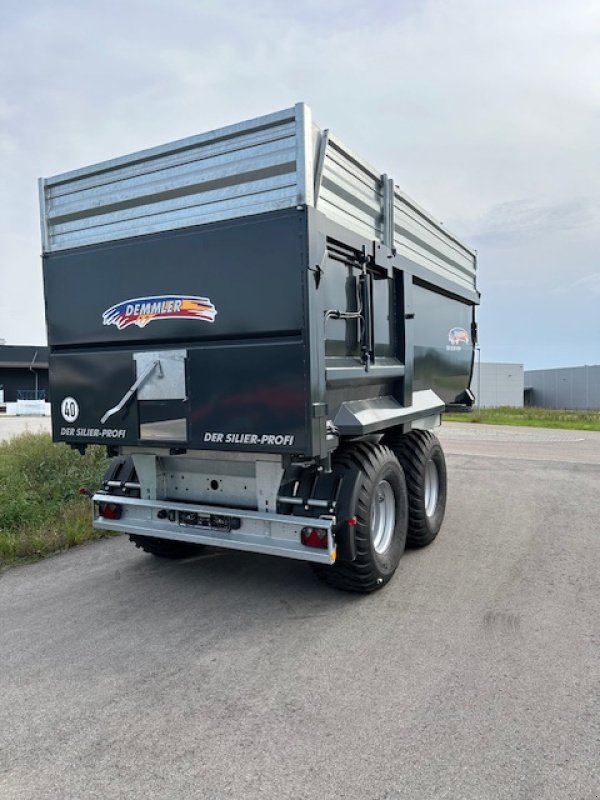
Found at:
<point>69,408</point>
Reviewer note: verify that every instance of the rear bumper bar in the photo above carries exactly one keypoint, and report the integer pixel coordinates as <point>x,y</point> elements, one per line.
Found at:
<point>273,534</point>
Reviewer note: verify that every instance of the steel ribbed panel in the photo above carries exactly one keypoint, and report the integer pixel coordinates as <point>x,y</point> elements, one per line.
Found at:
<point>266,164</point>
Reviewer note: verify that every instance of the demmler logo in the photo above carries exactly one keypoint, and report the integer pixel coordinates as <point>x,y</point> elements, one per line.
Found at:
<point>143,310</point>
<point>458,336</point>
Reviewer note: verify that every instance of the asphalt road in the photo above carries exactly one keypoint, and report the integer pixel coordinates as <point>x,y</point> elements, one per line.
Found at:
<point>475,674</point>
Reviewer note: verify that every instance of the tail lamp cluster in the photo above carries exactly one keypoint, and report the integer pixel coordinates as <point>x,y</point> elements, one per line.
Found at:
<point>314,537</point>
<point>110,510</point>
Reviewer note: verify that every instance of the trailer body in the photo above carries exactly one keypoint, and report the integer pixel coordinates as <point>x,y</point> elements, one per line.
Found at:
<point>226,312</point>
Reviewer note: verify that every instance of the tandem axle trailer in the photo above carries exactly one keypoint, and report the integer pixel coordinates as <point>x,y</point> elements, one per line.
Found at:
<point>264,331</point>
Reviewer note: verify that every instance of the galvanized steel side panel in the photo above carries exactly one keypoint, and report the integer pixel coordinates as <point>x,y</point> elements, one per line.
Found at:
<point>351,191</point>
<point>266,164</point>
<point>354,194</point>
<point>422,239</point>
<point>243,169</point>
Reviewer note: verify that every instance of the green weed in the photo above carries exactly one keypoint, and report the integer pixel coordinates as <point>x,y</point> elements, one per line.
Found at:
<point>531,417</point>
<point>40,507</point>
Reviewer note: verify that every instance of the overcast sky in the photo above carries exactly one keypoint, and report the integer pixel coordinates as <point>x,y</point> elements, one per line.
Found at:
<point>487,113</point>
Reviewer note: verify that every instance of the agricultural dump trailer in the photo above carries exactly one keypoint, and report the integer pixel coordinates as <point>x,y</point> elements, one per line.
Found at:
<point>264,331</point>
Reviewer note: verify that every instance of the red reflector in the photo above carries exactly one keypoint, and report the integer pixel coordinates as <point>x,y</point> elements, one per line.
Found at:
<point>314,537</point>
<point>109,510</point>
<point>352,521</point>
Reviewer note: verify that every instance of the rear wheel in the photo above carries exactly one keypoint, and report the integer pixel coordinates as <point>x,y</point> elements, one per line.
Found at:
<point>375,491</point>
<point>166,548</point>
<point>422,459</point>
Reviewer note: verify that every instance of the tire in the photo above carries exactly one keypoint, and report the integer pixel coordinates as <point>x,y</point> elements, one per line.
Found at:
<point>422,459</point>
<point>375,493</point>
<point>166,548</point>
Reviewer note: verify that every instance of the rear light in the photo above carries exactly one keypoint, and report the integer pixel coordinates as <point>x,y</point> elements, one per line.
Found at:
<point>314,537</point>
<point>109,510</point>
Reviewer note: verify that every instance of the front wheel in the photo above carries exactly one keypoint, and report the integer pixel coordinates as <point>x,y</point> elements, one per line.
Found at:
<point>375,498</point>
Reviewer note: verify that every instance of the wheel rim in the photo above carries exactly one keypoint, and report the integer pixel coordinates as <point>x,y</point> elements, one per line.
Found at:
<point>432,487</point>
<point>383,516</point>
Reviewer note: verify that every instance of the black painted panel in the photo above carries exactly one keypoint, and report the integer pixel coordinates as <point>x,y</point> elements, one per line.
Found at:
<point>250,270</point>
<point>248,383</point>
<point>96,382</point>
<point>442,361</point>
<point>245,395</point>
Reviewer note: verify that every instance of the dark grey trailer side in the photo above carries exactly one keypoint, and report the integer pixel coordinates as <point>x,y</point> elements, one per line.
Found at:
<point>285,353</point>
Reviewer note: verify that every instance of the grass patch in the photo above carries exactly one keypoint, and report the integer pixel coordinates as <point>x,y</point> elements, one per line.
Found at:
<point>40,507</point>
<point>531,417</point>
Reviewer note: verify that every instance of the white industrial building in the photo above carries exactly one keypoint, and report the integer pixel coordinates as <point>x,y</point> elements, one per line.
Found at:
<point>564,387</point>
<point>498,385</point>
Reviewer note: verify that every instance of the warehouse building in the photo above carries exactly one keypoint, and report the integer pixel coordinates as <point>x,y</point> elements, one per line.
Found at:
<point>23,373</point>
<point>498,385</point>
<point>576,388</point>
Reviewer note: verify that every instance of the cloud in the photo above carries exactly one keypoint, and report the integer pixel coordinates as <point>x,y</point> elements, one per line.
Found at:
<point>526,218</point>
<point>487,113</point>
<point>590,284</point>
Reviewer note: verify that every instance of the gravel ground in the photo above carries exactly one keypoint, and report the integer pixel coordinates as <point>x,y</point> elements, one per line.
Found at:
<point>474,674</point>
